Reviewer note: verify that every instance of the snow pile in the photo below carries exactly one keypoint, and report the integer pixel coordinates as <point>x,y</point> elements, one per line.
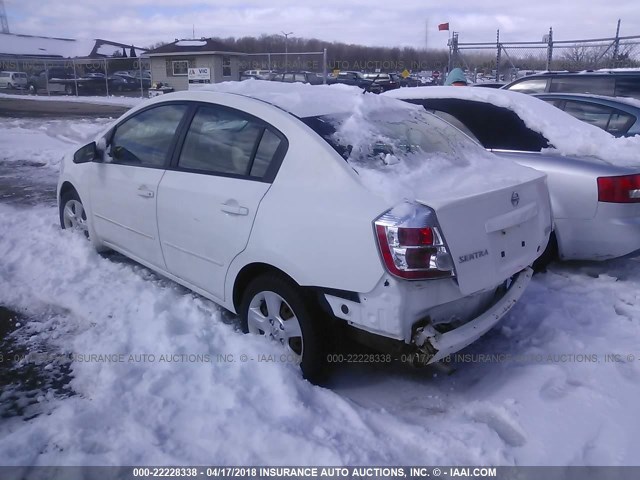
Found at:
<point>548,401</point>
<point>556,408</point>
<point>567,134</point>
<point>44,141</point>
<point>185,410</point>
<point>104,100</point>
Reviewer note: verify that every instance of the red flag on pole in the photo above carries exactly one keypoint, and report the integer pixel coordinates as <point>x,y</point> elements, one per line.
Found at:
<point>443,26</point>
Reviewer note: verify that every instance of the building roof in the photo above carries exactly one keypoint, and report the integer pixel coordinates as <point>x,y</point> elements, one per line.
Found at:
<point>193,46</point>
<point>53,47</point>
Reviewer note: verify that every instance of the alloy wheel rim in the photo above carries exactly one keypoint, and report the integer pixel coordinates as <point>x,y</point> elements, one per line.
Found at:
<point>270,315</point>
<point>75,217</point>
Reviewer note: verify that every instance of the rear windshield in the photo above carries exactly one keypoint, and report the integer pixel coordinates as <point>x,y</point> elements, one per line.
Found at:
<point>412,137</point>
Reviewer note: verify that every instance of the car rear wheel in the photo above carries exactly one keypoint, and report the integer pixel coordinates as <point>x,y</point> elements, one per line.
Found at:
<point>69,90</point>
<point>276,308</point>
<point>72,214</point>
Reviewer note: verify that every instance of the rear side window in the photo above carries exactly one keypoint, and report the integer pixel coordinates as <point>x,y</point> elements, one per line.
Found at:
<point>265,154</point>
<point>583,84</point>
<point>533,85</point>
<point>145,139</point>
<point>620,123</point>
<point>628,87</point>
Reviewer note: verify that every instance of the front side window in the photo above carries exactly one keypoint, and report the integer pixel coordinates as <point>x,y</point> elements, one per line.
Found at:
<point>533,85</point>
<point>145,139</point>
<point>180,67</point>
<point>225,141</point>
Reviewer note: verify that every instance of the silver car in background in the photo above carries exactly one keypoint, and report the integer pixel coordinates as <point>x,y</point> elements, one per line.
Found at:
<point>596,205</point>
<point>620,116</point>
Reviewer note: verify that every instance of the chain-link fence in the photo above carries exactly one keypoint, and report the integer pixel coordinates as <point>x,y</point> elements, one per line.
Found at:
<point>506,61</point>
<point>120,76</point>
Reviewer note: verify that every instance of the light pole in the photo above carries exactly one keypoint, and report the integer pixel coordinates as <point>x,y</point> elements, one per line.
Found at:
<point>286,51</point>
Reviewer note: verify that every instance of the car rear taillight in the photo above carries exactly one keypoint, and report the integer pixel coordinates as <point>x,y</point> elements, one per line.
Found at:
<point>411,244</point>
<point>623,189</point>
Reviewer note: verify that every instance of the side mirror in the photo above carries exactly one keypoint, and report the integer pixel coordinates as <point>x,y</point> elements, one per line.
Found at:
<point>88,153</point>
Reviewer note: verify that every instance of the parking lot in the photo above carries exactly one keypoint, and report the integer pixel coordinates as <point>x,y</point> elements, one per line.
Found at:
<point>558,378</point>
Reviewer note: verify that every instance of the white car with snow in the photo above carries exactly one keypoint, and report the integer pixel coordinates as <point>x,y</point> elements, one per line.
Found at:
<point>594,178</point>
<point>295,206</point>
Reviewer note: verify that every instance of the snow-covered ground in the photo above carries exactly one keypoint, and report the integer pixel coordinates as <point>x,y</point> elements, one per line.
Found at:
<point>165,395</point>
<point>99,100</point>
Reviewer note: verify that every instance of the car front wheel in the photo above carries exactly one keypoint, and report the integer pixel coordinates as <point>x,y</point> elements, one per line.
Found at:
<point>72,214</point>
<point>276,308</point>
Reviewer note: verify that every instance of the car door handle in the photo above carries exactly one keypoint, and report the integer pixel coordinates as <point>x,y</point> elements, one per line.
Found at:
<point>145,192</point>
<point>234,209</point>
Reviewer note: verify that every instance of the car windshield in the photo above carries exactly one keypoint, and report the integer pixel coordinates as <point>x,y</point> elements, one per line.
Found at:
<point>382,139</point>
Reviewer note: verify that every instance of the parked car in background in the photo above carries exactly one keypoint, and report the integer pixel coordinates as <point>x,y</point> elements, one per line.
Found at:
<point>595,203</point>
<point>52,80</point>
<point>620,116</point>
<point>263,172</point>
<point>386,81</point>
<point>12,80</point>
<point>357,79</point>
<point>611,83</point>
<point>257,74</point>
<point>126,82</point>
<point>297,77</point>
<point>145,75</point>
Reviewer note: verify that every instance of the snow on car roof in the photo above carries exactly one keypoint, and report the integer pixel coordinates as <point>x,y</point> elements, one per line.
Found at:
<point>302,100</point>
<point>361,120</point>
<point>567,134</point>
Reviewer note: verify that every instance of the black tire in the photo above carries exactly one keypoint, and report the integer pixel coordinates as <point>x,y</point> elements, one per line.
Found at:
<point>65,200</point>
<point>314,352</point>
<point>69,90</point>
<point>549,255</point>
<point>32,89</point>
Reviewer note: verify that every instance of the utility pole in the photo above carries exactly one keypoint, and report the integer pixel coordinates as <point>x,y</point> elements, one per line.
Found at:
<point>498,52</point>
<point>616,46</point>
<point>4,23</point>
<point>286,50</point>
<point>550,49</point>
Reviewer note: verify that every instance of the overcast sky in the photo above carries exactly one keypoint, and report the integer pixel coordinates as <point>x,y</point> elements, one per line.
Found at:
<point>368,22</point>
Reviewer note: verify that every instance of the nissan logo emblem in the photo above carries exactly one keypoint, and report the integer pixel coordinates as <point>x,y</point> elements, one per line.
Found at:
<point>515,199</point>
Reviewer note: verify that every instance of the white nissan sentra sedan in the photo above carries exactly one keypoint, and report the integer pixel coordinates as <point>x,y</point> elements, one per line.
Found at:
<point>304,208</point>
